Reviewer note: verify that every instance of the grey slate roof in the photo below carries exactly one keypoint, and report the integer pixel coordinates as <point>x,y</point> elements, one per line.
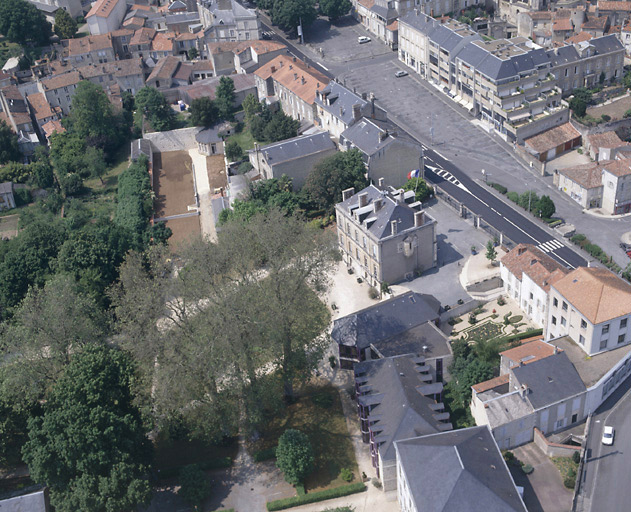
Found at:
<point>340,98</point>
<point>385,320</point>
<point>385,13</point>
<point>425,339</point>
<point>378,223</point>
<point>33,502</point>
<point>366,136</point>
<point>457,471</point>
<point>549,380</point>
<point>606,44</point>
<point>297,147</point>
<point>402,411</point>
<point>6,187</point>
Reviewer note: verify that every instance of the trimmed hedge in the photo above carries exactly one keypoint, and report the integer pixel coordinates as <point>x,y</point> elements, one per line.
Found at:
<point>523,335</point>
<point>500,188</point>
<point>513,196</point>
<point>314,497</point>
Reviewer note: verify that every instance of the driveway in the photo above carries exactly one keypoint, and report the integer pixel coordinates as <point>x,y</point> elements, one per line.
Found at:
<point>543,488</point>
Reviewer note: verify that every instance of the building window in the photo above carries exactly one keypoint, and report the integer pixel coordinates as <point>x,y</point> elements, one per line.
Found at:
<point>583,324</point>
<point>554,320</point>
<point>564,306</point>
<point>623,323</point>
<point>603,344</point>
<point>581,339</point>
<point>555,302</point>
<point>606,329</point>
<point>531,296</point>
<point>374,251</point>
<point>364,242</point>
<point>620,339</point>
<point>356,252</point>
<point>563,322</point>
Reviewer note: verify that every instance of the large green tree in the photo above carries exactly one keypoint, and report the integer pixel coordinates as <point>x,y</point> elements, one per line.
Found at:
<point>287,14</point>
<point>65,25</point>
<point>251,106</point>
<point>152,104</point>
<point>332,175</point>
<point>90,446</point>
<point>93,118</point>
<point>294,456</point>
<point>334,9</point>
<point>203,112</point>
<point>224,97</point>
<point>421,188</point>
<point>9,149</point>
<point>22,22</point>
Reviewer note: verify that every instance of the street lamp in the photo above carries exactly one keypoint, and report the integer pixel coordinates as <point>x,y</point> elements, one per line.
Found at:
<point>486,177</point>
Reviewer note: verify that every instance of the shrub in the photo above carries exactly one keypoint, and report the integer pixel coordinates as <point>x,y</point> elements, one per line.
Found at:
<point>195,485</point>
<point>501,301</point>
<point>578,238</point>
<point>346,474</point>
<point>332,361</point>
<point>527,469</point>
<point>300,489</point>
<point>500,188</point>
<point>376,482</point>
<point>509,456</point>
<point>267,454</point>
<point>315,497</point>
<point>22,196</point>
<point>576,457</point>
<point>294,455</point>
<point>373,293</point>
<point>627,114</point>
<point>513,196</point>
<point>385,288</point>
<point>570,479</point>
<point>605,118</point>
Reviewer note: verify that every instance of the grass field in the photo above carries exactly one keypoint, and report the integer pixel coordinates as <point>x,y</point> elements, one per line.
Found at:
<point>327,430</point>
<point>6,49</point>
<point>9,226</point>
<point>244,138</point>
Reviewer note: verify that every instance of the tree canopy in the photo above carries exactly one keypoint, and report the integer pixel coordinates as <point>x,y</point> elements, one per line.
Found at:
<point>332,175</point>
<point>423,190</point>
<point>65,25</point>
<point>272,127</point>
<point>545,207</point>
<point>22,22</point>
<point>294,456</point>
<point>224,98</point>
<point>90,446</point>
<point>9,149</point>
<point>287,14</point>
<point>335,9</point>
<point>203,112</point>
<point>151,103</point>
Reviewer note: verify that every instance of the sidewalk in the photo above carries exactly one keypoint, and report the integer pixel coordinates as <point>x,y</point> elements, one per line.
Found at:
<point>200,174</point>
<point>478,268</point>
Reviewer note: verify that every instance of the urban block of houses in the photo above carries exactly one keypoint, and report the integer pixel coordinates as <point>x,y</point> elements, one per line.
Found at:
<point>59,89</point>
<point>243,85</point>
<point>397,398</point>
<point>41,109</point>
<point>170,72</point>
<point>401,325</point>
<point>293,84</point>
<point>546,385</point>
<point>295,157</point>
<point>96,49</point>
<point>338,108</point>
<point>598,185</point>
<point>50,7</point>
<point>14,111</point>
<point>603,146</point>
<point>527,274</point>
<point>456,470</point>
<point>227,20</point>
<point>592,306</point>
<point>387,155</point>
<point>513,84</point>
<point>106,16</point>
<point>243,56</point>
<point>384,234</point>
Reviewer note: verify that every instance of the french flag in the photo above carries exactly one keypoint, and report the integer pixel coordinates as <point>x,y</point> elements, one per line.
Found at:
<point>416,173</point>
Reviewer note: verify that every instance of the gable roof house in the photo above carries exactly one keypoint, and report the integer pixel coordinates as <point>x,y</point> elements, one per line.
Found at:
<point>59,89</point>
<point>457,470</point>
<point>397,398</point>
<point>227,20</point>
<point>106,16</point>
<point>41,109</point>
<point>292,83</point>
<point>96,49</point>
<point>527,273</point>
<point>386,153</point>
<point>401,325</point>
<point>14,111</point>
<point>168,73</point>
<point>384,234</point>
<point>243,85</point>
<point>338,108</point>
<point>295,157</point>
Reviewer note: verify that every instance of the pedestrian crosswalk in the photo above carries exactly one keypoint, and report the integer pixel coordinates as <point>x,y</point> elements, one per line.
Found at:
<point>550,245</point>
<point>447,176</point>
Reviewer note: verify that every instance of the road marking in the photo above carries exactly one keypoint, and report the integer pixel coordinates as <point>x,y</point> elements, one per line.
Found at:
<point>323,66</point>
<point>550,245</point>
<point>441,156</point>
<point>447,176</point>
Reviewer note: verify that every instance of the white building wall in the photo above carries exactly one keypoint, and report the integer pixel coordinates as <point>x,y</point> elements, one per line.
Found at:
<point>534,300</point>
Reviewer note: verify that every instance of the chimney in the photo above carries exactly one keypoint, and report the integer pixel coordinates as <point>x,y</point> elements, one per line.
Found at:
<point>302,79</point>
<point>295,76</point>
<point>281,63</point>
<point>381,182</point>
<point>377,204</point>
<point>523,391</point>
<point>521,251</point>
<point>341,111</point>
<point>363,199</point>
<point>383,136</point>
<point>357,112</point>
<point>393,227</point>
<point>418,219</point>
<point>364,96</point>
<point>294,59</point>
<point>556,349</point>
<point>347,193</point>
<point>274,68</point>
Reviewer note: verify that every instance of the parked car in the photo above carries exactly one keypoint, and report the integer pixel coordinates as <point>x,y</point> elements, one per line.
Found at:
<point>401,73</point>
<point>608,435</point>
<point>363,39</point>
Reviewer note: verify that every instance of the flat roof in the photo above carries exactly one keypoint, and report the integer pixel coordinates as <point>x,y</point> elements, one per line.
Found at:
<point>590,368</point>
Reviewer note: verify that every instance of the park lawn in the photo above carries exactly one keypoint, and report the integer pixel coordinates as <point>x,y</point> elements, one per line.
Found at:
<point>327,430</point>
<point>244,138</point>
<point>110,179</point>
<point>565,465</point>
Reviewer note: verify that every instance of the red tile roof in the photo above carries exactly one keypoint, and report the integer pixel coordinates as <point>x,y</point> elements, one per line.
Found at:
<point>552,138</point>
<point>541,268</point>
<point>103,8</point>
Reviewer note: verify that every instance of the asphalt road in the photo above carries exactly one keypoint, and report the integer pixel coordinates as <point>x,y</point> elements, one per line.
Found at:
<point>607,468</point>
<point>453,180</point>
